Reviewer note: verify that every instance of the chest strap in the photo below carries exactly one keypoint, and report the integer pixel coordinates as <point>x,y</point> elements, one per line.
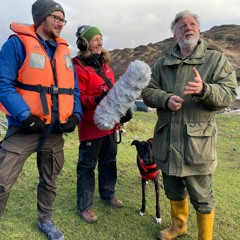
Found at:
<point>53,90</point>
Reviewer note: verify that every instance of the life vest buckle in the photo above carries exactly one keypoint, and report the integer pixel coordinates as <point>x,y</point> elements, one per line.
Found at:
<point>53,90</point>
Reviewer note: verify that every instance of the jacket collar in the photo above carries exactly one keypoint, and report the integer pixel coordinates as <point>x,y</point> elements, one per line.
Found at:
<point>197,57</point>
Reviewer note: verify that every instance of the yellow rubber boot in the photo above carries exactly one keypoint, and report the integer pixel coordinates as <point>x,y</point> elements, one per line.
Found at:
<point>205,225</point>
<point>179,214</point>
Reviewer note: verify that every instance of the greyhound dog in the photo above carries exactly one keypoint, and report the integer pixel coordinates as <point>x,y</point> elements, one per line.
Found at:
<point>149,171</point>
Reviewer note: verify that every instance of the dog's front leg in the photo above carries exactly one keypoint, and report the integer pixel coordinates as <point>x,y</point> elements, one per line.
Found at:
<point>142,211</point>
<point>157,189</point>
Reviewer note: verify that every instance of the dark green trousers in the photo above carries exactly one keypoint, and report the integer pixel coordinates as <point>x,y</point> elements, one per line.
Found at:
<point>198,188</point>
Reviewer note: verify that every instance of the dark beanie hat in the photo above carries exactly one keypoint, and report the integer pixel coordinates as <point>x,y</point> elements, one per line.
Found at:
<point>87,32</point>
<point>43,8</point>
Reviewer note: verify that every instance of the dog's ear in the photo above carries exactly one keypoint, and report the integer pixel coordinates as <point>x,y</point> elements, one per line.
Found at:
<point>150,141</point>
<point>135,142</point>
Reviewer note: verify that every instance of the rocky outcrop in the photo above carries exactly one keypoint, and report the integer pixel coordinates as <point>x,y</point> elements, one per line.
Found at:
<point>226,38</point>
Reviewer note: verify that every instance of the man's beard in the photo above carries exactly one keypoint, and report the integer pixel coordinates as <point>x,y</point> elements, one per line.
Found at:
<point>53,35</point>
<point>189,43</point>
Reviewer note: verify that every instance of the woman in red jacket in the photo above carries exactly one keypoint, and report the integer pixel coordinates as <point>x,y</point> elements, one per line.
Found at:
<point>96,146</point>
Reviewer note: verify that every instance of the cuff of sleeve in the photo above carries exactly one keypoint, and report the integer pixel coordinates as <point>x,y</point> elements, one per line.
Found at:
<point>23,115</point>
<point>79,117</point>
<point>206,90</point>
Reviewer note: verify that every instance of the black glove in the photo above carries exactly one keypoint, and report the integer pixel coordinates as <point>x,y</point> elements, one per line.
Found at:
<point>33,124</point>
<point>127,117</point>
<point>99,98</point>
<point>71,124</point>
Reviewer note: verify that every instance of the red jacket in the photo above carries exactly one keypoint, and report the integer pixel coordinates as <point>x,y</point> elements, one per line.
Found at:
<point>91,85</point>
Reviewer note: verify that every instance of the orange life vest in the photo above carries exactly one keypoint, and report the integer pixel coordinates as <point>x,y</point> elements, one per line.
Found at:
<point>40,79</point>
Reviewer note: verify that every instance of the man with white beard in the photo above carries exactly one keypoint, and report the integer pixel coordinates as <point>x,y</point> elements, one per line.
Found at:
<point>189,85</point>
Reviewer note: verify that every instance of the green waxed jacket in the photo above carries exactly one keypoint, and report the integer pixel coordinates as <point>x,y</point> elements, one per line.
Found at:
<point>185,140</point>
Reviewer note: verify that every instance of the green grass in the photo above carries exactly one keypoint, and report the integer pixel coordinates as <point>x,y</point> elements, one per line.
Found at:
<point>20,219</point>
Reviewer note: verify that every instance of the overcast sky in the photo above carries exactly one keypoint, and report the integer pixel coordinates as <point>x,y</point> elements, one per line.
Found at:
<point>124,23</point>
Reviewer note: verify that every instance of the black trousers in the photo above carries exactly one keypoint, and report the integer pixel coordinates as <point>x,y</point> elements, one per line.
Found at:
<point>101,151</point>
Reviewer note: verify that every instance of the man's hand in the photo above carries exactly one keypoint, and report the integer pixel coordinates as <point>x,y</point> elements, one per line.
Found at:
<point>174,103</point>
<point>33,124</point>
<point>195,87</point>
<point>71,124</point>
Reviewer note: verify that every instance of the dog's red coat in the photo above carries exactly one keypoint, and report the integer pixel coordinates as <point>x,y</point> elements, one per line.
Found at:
<point>148,172</point>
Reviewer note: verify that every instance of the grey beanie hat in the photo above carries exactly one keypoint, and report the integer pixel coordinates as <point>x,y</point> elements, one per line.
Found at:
<point>43,8</point>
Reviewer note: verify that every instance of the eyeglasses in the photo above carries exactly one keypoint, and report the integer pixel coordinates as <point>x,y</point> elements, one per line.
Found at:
<point>57,19</point>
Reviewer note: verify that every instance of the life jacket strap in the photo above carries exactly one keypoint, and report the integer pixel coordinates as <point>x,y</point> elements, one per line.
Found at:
<point>53,90</point>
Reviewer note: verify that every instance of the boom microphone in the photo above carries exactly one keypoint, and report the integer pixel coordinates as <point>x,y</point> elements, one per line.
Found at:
<point>122,95</point>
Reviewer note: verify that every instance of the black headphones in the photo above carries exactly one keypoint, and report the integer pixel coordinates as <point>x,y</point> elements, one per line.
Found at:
<point>82,43</point>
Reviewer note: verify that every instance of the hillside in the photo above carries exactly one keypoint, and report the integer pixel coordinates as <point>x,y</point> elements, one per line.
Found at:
<point>225,38</point>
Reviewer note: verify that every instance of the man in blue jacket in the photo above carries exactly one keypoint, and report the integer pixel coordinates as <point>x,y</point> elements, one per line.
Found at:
<point>39,91</point>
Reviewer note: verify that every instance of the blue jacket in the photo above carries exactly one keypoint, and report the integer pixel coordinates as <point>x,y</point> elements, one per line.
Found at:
<point>12,56</point>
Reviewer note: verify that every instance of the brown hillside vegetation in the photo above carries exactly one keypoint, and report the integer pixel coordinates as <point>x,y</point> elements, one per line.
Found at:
<point>225,38</point>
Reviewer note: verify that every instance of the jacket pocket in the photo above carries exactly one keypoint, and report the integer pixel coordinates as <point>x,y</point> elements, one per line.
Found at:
<point>161,141</point>
<point>200,143</point>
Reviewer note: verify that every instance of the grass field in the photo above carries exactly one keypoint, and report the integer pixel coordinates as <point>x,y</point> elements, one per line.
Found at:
<point>20,219</point>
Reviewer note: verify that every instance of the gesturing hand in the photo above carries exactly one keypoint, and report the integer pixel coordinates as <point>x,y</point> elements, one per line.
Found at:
<point>196,86</point>
<point>174,103</point>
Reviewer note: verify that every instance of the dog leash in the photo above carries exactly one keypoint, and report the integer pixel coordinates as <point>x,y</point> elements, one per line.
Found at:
<point>115,138</point>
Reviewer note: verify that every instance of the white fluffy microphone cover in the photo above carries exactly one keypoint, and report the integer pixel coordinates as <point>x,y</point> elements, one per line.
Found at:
<point>122,95</point>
